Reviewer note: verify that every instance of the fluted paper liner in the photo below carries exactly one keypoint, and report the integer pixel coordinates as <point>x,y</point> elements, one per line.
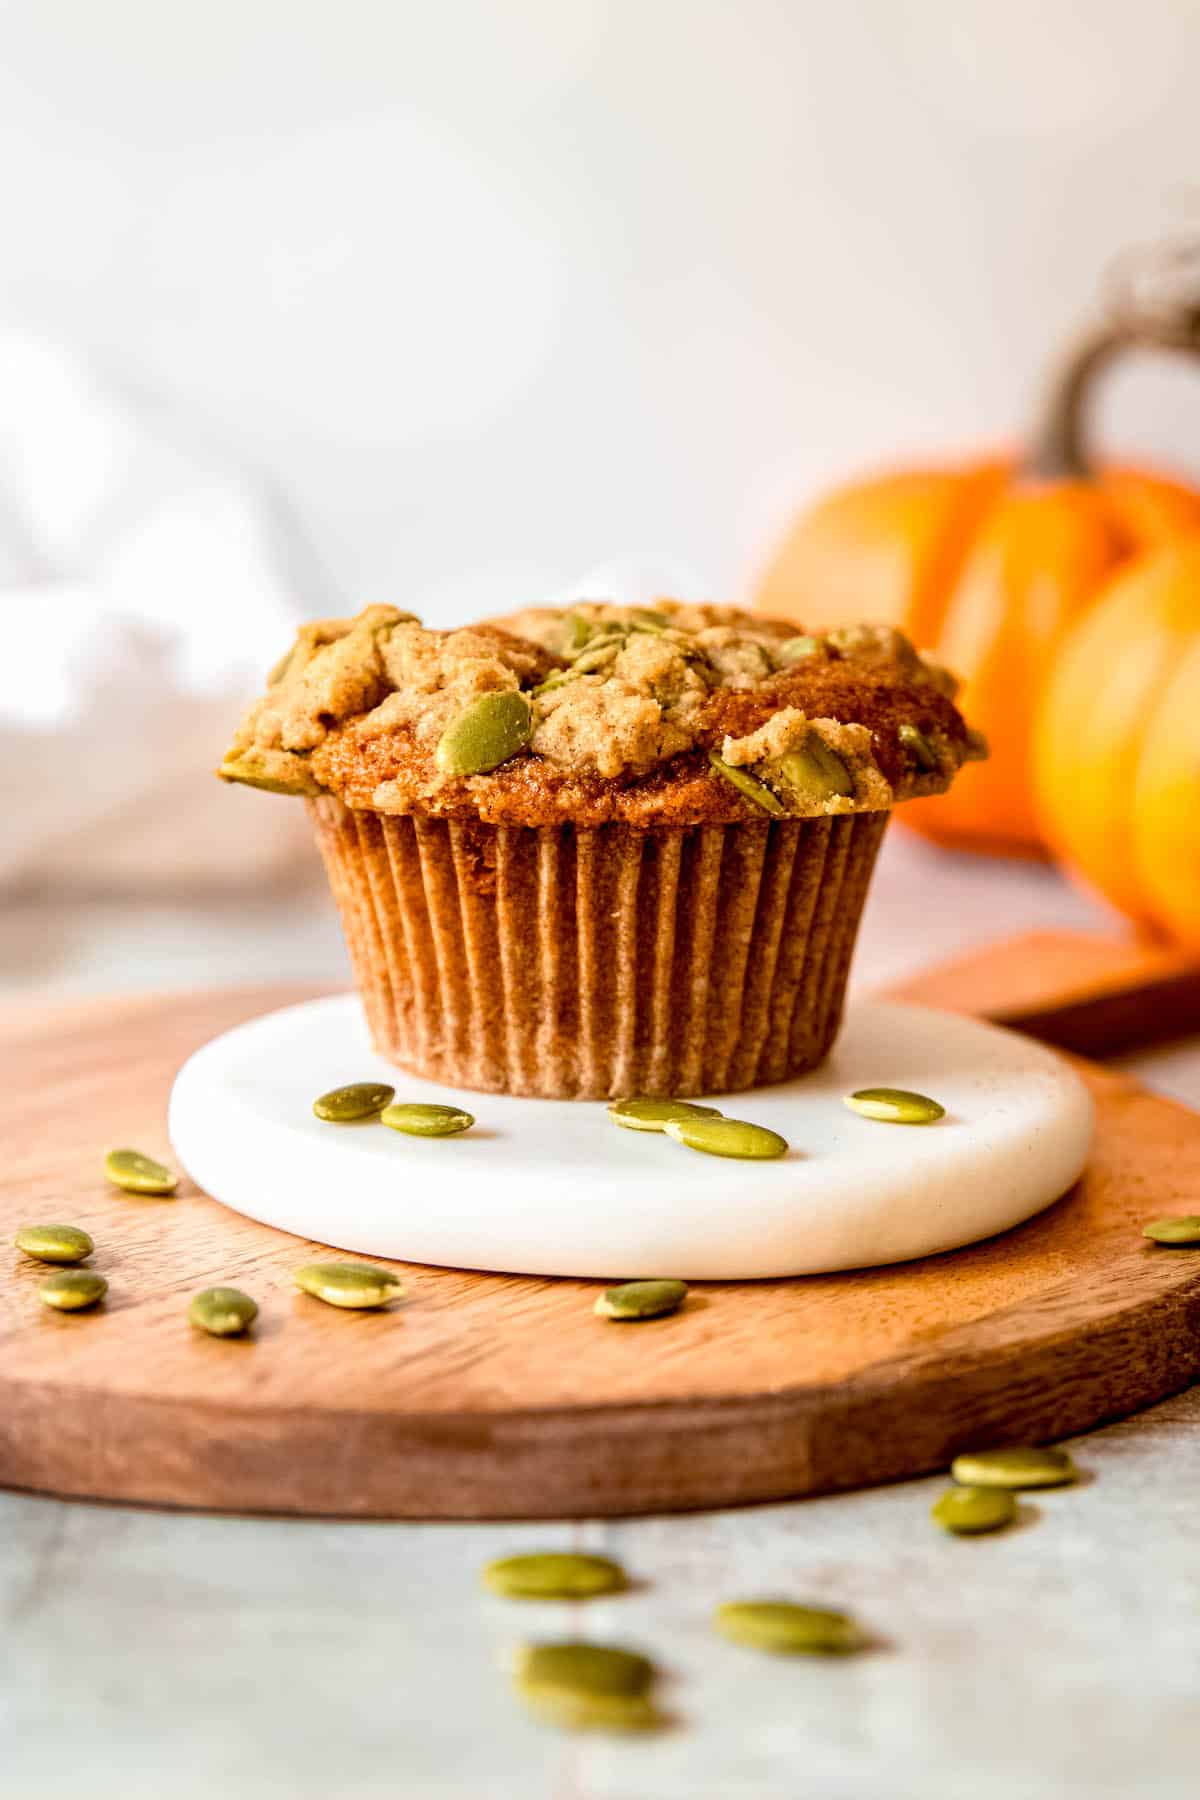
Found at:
<point>591,963</point>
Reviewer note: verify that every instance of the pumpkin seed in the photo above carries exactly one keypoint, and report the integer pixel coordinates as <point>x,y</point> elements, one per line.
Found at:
<point>1017,1467</point>
<point>223,1311</point>
<point>584,1668</point>
<point>814,773</point>
<point>553,1575</point>
<point>559,678</point>
<point>139,1174</point>
<point>360,1100</point>
<point>589,1712</point>
<point>652,1115</point>
<point>756,791</point>
<point>797,649</point>
<point>976,747</point>
<point>642,1300</point>
<point>727,1137</point>
<point>785,1629</point>
<point>248,771</point>
<point>70,1290</point>
<point>601,637</point>
<point>1179,1232</point>
<point>54,1243</point>
<point>597,657</point>
<point>895,1106</point>
<point>352,1284</point>
<point>486,734</point>
<point>419,1120</point>
<point>968,1510</point>
<point>919,748</point>
<point>644,618</point>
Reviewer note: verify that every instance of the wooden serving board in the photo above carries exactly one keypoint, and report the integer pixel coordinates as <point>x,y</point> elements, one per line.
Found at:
<point>484,1396</point>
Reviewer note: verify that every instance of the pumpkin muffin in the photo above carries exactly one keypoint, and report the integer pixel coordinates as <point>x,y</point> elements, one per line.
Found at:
<point>602,850</point>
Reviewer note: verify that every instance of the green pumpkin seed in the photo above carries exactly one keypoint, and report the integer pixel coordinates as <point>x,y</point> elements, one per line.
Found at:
<point>351,1284</point>
<point>652,1115</point>
<point>784,1629</point>
<point>976,747</point>
<point>895,1106</point>
<point>919,748</point>
<point>727,1137</point>
<point>54,1243</point>
<point>223,1311</point>
<point>754,790</point>
<point>491,730</point>
<point>70,1290</point>
<point>419,1120</point>
<point>559,678</point>
<point>644,618</point>
<point>139,1174</point>
<point>968,1510</point>
<point>609,637</point>
<point>597,657</point>
<point>797,649</point>
<point>584,1668</point>
<point>642,1300</point>
<point>814,773</point>
<point>1180,1232</point>
<point>553,1575</point>
<point>360,1100</point>
<point>1016,1467</point>
<point>572,1711</point>
<point>249,771</point>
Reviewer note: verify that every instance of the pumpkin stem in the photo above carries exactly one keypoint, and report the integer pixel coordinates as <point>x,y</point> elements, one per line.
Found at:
<point>1153,304</point>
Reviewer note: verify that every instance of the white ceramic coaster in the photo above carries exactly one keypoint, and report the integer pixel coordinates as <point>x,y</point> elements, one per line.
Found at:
<point>552,1187</point>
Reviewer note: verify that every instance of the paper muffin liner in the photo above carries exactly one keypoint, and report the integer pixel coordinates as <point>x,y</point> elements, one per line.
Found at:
<point>593,963</point>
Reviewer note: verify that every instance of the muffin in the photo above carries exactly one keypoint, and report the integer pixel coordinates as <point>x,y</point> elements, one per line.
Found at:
<point>603,850</point>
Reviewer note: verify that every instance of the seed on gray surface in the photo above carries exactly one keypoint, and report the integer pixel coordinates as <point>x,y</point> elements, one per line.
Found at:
<point>969,1510</point>
<point>727,1137</point>
<point>139,1174</point>
<point>553,1575</point>
<point>351,1284</point>
<point>895,1106</point>
<point>417,1119</point>
<point>814,773</point>
<point>797,649</point>
<point>641,1300</point>
<point>651,1115</point>
<point>54,1243</point>
<point>785,1629</point>
<point>223,1311</point>
<point>574,1711</point>
<point>1018,1466</point>
<point>70,1290</point>
<point>919,748</point>
<point>486,734</point>
<point>1180,1232</point>
<point>360,1100</point>
<point>586,1687</point>
<point>756,791</point>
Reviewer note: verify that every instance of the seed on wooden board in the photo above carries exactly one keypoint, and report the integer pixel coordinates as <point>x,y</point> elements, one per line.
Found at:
<point>1016,1467</point>
<point>553,1575</point>
<point>785,1629</point>
<point>641,1300</point>
<point>223,1311</point>
<point>349,1284</point>
<point>139,1174</point>
<point>54,1243</point>
<point>1179,1233</point>
<point>652,1115</point>
<point>895,1106</point>
<point>968,1511</point>
<point>728,1137</point>
<point>71,1290</point>
<point>359,1100</point>
<point>486,734</point>
<point>420,1120</point>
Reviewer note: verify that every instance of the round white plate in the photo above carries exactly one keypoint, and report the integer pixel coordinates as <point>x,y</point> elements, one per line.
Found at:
<point>553,1187</point>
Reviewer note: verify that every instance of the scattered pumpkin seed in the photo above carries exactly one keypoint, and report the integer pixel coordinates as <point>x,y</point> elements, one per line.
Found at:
<point>1019,1466</point>
<point>486,734</point>
<point>642,1300</point>
<point>223,1311</point>
<point>553,1575</point>
<point>652,1115</point>
<point>54,1243</point>
<point>139,1174</point>
<point>785,1629</point>
<point>895,1106</point>
<point>352,1284</point>
<point>757,791</point>
<point>585,1668</point>
<point>815,773</point>
<point>420,1120</point>
<point>797,649</point>
<point>1179,1232</point>
<point>70,1290</point>
<point>727,1137</point>
<point>968,1510</point>
<point>360,1100</point>
<point>919,748</point>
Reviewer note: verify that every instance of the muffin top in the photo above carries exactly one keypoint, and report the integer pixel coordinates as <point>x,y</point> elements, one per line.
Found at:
<point>665,716</point>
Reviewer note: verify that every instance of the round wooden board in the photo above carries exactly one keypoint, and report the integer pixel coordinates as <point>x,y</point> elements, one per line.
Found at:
<point>487,1396</point>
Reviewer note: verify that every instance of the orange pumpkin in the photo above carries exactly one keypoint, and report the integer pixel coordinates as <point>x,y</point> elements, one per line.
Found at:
<point>1117,745</point>
<point>987,565</point>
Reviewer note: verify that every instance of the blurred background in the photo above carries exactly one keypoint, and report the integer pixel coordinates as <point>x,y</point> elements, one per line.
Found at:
<point>465,306</point>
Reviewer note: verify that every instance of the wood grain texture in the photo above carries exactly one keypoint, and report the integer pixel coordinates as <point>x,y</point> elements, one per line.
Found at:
<point>486,1396</point>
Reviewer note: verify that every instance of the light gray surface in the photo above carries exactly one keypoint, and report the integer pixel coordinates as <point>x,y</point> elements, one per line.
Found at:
<point>148,1653</point>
